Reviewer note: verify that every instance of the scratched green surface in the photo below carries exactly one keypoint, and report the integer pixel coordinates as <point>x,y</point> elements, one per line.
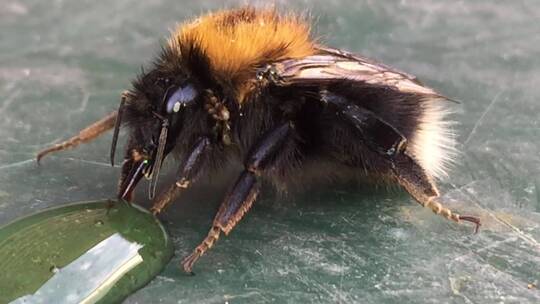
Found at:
<point>64,63</point>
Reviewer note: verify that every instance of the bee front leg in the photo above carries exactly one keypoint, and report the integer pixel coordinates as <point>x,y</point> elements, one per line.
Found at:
<point>244,192</point>
<point>188,173</point>
<point>85,135</point>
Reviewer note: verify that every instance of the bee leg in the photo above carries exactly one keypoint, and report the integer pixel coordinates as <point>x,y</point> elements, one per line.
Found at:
<point>244,192</point>
<point>384,139</point>
<point>379,135</point>
<point>85,135</point>
<point>233,208</point>
<point>419,185</point>
<point>188,173</point>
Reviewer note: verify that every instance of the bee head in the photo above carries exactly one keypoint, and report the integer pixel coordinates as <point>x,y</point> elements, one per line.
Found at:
<point>154,112</point>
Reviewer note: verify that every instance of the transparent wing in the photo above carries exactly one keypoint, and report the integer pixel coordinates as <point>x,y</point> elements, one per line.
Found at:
<point>336,66</point>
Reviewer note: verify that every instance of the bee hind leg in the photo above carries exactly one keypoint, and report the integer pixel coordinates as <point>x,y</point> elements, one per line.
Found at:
<point>415,181</point>
<point>85,135</point>
<point>244,192</point>
<point>385,140</point>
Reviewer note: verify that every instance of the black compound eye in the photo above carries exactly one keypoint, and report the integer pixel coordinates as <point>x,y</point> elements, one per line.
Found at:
<point>182,97</point>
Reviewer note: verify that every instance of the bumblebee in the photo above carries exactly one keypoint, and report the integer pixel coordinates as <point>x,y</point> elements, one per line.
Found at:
<point>253,85</point>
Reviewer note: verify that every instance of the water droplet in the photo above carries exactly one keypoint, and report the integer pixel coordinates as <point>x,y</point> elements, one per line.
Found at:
<point>54,269</point>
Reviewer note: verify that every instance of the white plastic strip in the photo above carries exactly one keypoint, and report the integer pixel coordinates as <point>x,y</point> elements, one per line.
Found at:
<point>91,276</point>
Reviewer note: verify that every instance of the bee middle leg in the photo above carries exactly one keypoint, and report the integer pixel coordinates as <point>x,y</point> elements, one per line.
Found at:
<point>244,192</point>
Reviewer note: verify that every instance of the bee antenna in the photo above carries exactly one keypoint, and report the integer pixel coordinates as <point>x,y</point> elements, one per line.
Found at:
<point>117,124</point>
<point>159,158</point>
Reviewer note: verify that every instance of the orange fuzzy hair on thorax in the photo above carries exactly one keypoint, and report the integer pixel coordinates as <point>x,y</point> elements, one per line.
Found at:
<point>237,42</point>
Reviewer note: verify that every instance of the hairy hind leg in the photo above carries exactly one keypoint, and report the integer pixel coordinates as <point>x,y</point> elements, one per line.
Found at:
<point>414,179</point>
<point>85,135</point>
<point>382,138</point>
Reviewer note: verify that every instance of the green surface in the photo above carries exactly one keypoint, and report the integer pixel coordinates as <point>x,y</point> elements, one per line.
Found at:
<point>37,247</point>
<point>63,65</point>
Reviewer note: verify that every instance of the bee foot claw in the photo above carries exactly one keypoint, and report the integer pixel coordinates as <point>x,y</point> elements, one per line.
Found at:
<point>189,261</point>
<point>155,210</point>
<point>473,219</point>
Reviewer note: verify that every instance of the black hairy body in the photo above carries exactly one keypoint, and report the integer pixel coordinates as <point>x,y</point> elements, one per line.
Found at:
<point>252,85</point>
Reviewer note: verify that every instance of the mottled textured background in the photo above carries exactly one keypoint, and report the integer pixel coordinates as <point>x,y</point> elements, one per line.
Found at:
<point>63,65</point>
